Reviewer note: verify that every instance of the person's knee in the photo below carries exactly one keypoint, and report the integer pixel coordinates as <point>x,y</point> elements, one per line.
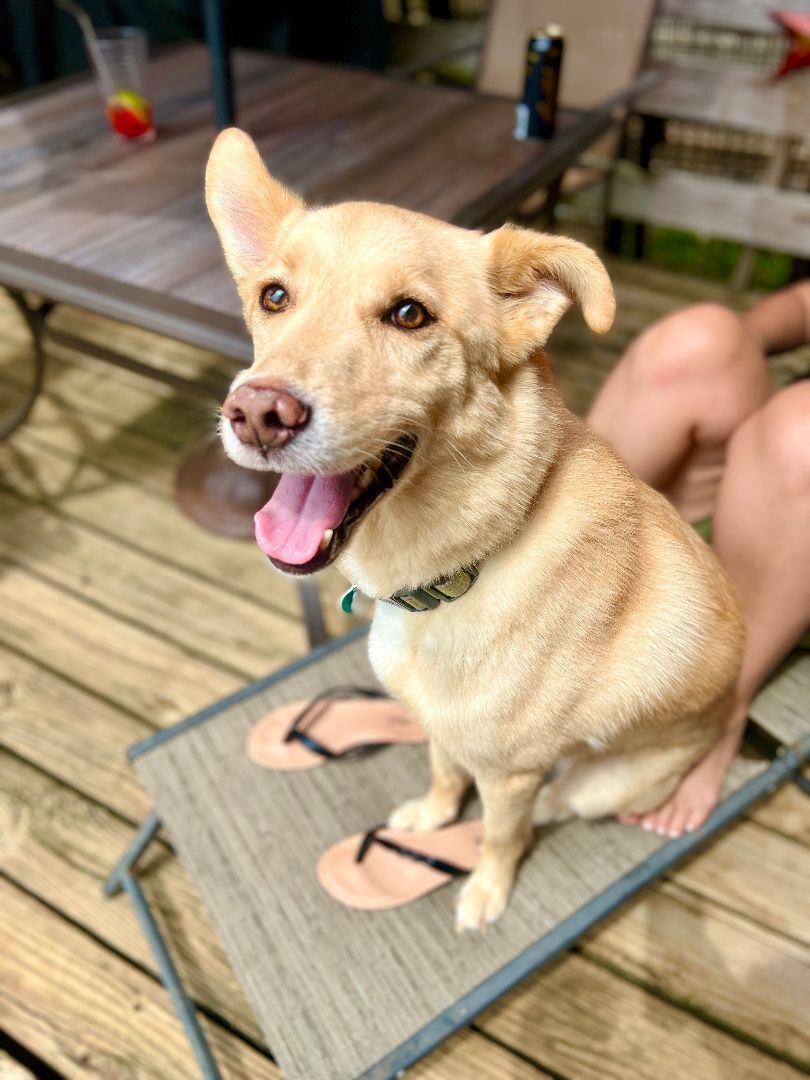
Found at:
<point>702,341</point>
<point>704,359</point>
<point>777,437</point>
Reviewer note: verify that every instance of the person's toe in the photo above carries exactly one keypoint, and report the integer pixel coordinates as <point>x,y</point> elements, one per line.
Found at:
<point>662,820</point>
<point>629,819</point>
<point>677,822</point>
<point>649,822</point>
<point>696,818</point>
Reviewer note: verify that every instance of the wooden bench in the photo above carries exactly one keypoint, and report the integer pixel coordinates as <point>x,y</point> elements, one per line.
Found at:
<point>755,215</point>
<point>740,98</point>
<point>758,213</point>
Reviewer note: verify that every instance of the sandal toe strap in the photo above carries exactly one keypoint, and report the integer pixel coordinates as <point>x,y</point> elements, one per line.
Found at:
<point>373,837</point>
<point>339,693</point>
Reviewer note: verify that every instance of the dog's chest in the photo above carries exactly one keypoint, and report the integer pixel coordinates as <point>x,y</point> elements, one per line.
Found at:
<point>418,654</point>
<point>458,676</point>
<point>420,647</point>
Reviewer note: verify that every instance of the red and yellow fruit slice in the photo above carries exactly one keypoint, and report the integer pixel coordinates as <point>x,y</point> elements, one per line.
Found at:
<point>130,114</point>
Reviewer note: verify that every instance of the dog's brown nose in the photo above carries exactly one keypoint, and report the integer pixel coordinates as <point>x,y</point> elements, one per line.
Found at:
<point>265,414</point>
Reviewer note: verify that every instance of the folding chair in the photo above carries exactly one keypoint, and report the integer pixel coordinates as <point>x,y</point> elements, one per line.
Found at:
<point>341,993</point>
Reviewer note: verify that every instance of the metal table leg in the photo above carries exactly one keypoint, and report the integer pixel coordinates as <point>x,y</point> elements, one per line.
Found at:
<point>221,79</point>
<point>310,599</point>
<point>35,319</point>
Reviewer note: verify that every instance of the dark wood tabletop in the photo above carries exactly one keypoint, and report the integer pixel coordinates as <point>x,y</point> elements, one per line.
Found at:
<point>122,230</point>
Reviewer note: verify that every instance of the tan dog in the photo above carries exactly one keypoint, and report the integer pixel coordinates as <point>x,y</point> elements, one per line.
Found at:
<point>400,385</point>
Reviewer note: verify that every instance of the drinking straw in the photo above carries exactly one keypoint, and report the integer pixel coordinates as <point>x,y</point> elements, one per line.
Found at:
<point>91,41</point>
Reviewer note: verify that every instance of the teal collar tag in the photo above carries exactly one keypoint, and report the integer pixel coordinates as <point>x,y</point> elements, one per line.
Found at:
<point>425,599</point>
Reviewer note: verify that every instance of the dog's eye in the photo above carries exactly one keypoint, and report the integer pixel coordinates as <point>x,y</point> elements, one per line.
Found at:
<point>408,315</point>
<point>274,297</point>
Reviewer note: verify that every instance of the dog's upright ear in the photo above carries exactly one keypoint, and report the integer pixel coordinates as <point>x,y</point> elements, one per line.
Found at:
<point>245,203</point>
<point>537,276</point>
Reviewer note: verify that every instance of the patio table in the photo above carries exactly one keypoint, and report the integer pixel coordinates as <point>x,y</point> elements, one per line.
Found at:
<point>121,229</point>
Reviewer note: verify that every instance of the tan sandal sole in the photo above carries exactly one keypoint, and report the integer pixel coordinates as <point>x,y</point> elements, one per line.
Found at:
<point>388,879</point>
<point>339,726</point>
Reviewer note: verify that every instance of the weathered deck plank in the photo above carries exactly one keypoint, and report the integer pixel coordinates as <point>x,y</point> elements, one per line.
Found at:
<point>757,873</point>
<point>583,1021</point>
<point>150,523</point>
<point>87,1012</point>
<point>786,812</point>
<point>125,453</point>
<point>469,1054</point>
<point>59,846</point>
<point>121,662</point>
<point>749,978</point>
<point>209,622</point>
<point>71,732</point>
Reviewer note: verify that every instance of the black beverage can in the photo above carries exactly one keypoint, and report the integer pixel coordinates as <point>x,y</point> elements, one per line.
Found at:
<point>537,110</point>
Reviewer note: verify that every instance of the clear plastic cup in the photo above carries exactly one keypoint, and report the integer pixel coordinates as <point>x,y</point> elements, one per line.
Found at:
<point>121,68</point>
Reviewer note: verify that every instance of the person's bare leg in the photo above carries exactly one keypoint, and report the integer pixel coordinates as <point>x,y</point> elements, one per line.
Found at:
<point>781,321</point>
<point>670,408</point>
<point>673,401</point>
<point>762,537</point>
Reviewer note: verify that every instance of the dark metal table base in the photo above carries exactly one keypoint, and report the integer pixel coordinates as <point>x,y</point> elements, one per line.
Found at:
<point>36,316</point>
<point>35,320</point>
<point>785,766</point>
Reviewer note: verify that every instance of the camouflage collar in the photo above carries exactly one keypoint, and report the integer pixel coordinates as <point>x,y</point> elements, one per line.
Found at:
<point>428,597</point>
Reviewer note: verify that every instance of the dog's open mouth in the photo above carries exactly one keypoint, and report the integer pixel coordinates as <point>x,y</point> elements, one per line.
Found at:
<point>308,520</point>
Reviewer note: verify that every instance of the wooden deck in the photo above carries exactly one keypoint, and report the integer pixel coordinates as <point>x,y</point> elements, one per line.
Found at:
<point>118,616</point>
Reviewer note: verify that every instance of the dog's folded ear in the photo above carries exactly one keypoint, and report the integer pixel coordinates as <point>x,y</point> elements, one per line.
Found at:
<point>245,203</point>
<point>537,276</point>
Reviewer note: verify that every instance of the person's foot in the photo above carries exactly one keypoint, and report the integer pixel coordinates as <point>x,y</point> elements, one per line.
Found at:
<point>696,796</point>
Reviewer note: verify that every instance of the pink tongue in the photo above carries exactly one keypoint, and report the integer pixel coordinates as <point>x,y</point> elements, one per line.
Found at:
<point>291,526</point>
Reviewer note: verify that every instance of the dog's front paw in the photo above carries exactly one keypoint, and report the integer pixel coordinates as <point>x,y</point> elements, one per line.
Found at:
<point>480,903</point>
<point>418,815</point>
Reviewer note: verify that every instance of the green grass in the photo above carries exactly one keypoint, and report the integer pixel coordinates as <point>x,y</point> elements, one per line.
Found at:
<point>673,249</point>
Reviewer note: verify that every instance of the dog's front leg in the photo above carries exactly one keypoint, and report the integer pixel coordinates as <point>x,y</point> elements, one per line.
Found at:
<point>448,782</point>
<point>508,804</point>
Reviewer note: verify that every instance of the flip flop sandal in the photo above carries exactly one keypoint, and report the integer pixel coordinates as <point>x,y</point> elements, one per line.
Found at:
<point>305,734</point>
<point>386,868</point>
